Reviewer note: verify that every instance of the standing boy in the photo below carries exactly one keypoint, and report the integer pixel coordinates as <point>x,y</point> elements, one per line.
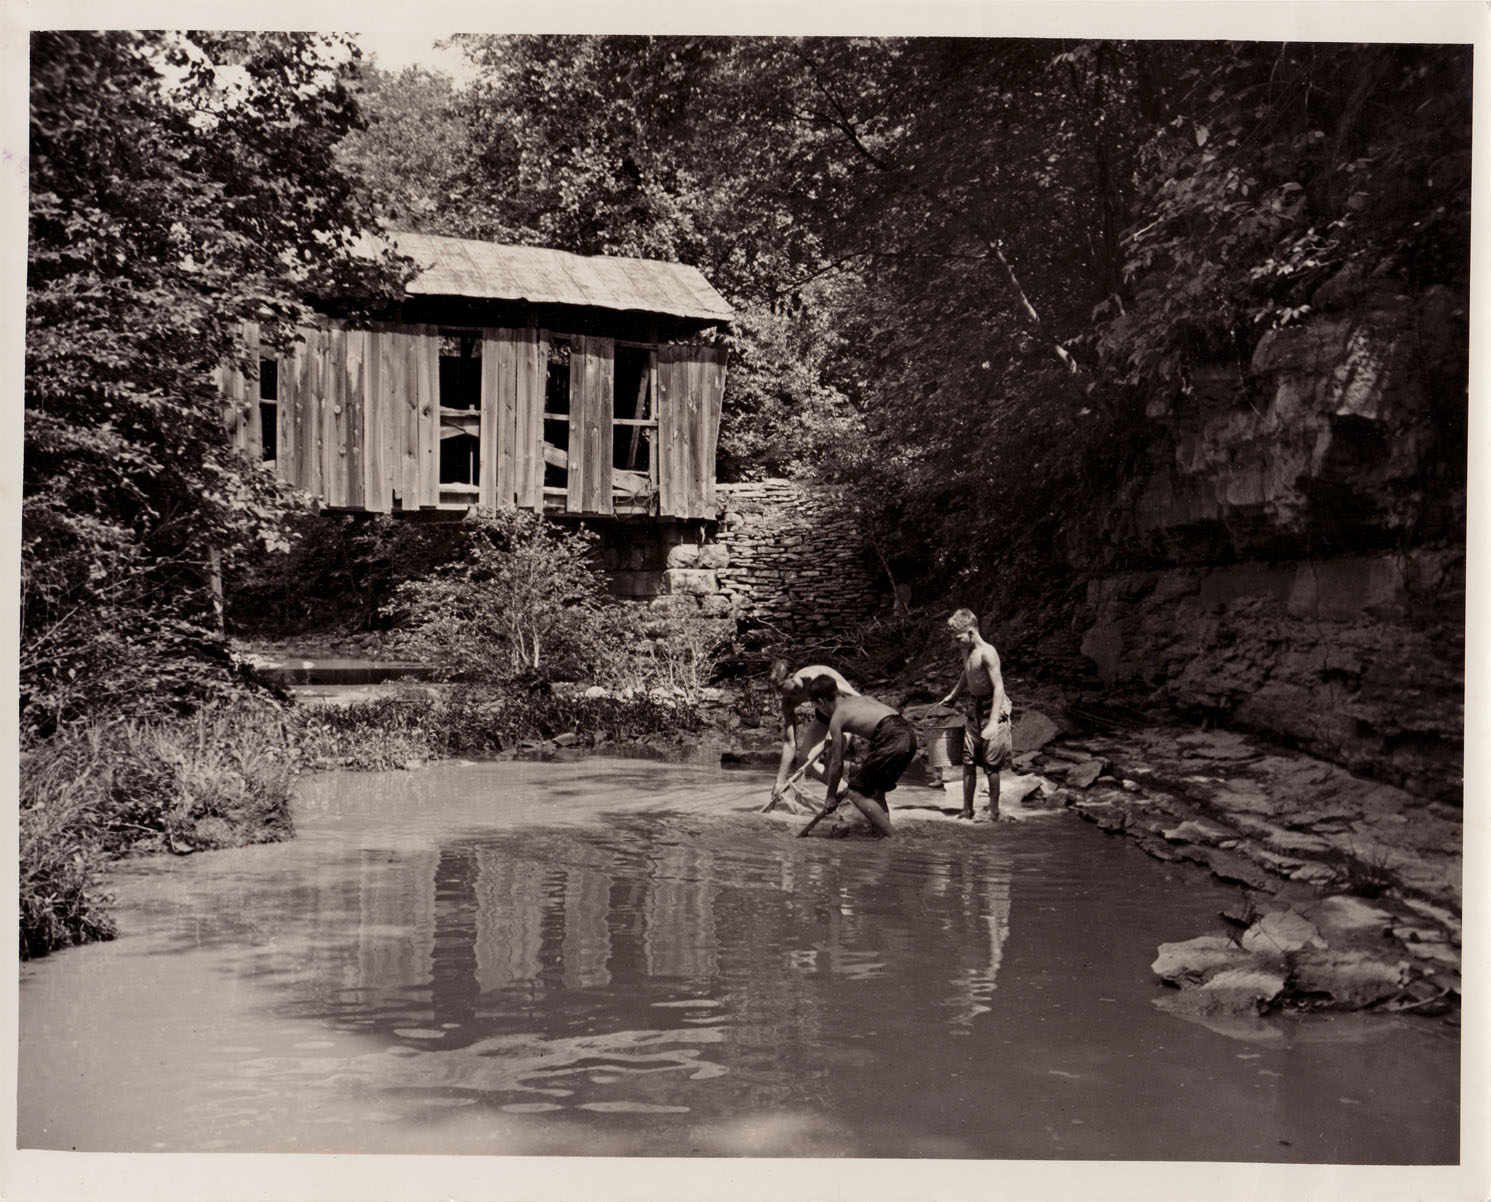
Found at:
<point>801,733</point>
<point>892,742</point>
<point>987,732</point>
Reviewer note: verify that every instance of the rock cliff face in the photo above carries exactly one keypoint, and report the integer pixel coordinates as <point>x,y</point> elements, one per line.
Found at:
<point>1294,561</point>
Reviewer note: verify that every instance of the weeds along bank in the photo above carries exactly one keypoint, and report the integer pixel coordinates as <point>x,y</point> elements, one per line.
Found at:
<point>419,724</point>
<point>224,777</point>
<point>92,793</point>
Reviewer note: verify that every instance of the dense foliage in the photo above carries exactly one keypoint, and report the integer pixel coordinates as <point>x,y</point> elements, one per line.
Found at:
<point>337,572</point>
<point>965,267</point>
<point>179,186</point>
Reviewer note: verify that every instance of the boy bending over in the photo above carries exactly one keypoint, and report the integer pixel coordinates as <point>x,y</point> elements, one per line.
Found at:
<point>892,746</point>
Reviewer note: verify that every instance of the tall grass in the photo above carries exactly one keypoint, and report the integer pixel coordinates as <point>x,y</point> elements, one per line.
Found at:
<point>60,899</point>
<point>463,720</point>
<point>221,778</point>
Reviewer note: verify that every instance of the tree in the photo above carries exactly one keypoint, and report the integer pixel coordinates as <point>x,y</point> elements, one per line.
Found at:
<point>180,184</point>
<point>1269,169</point>
<point>412,157</point>
<point>964,268</point>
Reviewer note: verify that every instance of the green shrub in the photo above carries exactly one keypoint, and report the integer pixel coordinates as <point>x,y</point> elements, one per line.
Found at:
<point>526,599</point>
<point>681,653</point>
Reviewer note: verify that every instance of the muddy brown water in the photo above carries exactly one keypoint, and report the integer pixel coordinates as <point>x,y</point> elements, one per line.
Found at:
<point>616,957</point>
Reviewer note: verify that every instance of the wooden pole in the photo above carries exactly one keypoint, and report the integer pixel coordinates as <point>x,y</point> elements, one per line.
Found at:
<point>215,583</point>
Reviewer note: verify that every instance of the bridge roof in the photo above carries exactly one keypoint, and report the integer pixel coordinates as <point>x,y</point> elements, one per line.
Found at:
<point>491,270</point>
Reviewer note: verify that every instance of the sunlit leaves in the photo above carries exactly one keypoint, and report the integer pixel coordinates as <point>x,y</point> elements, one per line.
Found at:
<point>168,206</point>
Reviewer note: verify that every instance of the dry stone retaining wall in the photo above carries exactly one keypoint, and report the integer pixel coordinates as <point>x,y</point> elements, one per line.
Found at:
<point>781,553</point>
<point>796,559</point>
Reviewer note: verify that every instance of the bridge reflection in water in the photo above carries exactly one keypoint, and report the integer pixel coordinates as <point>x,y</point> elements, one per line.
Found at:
<point>503,930</point>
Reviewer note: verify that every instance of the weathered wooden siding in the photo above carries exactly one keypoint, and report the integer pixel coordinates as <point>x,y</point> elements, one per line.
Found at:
<point>427,383</point>
<point>359,421</point>
<point>532,366</point>
<point>513,375</point>
<point>691,385</point>
<point>241,397</point>
<point>711,368</point>
<point>591,368</point>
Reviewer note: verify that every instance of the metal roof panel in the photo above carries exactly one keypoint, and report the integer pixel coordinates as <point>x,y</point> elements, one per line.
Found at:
<point>491,270</point>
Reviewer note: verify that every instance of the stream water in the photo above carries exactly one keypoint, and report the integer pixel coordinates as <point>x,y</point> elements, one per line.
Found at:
<point>617,957</point>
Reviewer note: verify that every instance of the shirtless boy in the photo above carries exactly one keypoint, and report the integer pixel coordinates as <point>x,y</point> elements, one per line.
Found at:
<point>987,741</point>
<point>892,746</point>
<point>798,744</point>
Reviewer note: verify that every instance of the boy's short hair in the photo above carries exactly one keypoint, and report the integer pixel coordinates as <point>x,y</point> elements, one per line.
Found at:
<point>963,619</point>
<point>823,688</point>
<point>779,673</point>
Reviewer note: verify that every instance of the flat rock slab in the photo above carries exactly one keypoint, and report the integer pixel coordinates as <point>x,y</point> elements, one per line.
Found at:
<point>1080,776</point>
<point>1346,916</point>
<point>1032,730</point>
<point>1280,933</point>
<point>1242,990</point>
<point>1196,960</point>
<point>1240,797</point>
<point>1160,850</point>
<point>1233,868</point>
<point>1199,830</point>
<point>1219,745</point>
<point>1015,788</point>
<point>1349,979</point>
<point>1287,842</point>
<point>1283,865</point>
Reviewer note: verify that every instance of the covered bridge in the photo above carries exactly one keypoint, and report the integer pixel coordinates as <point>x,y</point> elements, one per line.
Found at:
<point>509,376</point>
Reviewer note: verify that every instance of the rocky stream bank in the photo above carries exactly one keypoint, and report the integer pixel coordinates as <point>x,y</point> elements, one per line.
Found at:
<point>1349,890</point>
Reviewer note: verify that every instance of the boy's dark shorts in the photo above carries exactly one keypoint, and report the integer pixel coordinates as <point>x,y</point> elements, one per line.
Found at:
<point>892,748</point>
<point>989,754</point>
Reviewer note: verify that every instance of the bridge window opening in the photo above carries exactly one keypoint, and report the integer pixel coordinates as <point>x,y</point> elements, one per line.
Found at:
<point>556,416</point>
<point>460,407</point>
<point>269,408</point>
<point>634,426</point>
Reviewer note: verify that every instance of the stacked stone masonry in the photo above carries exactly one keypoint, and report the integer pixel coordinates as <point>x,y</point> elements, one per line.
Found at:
<point>783,554</point>
<point>796,559</point>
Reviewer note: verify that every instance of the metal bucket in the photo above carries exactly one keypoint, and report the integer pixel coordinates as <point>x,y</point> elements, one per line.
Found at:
<point>945,750</point>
